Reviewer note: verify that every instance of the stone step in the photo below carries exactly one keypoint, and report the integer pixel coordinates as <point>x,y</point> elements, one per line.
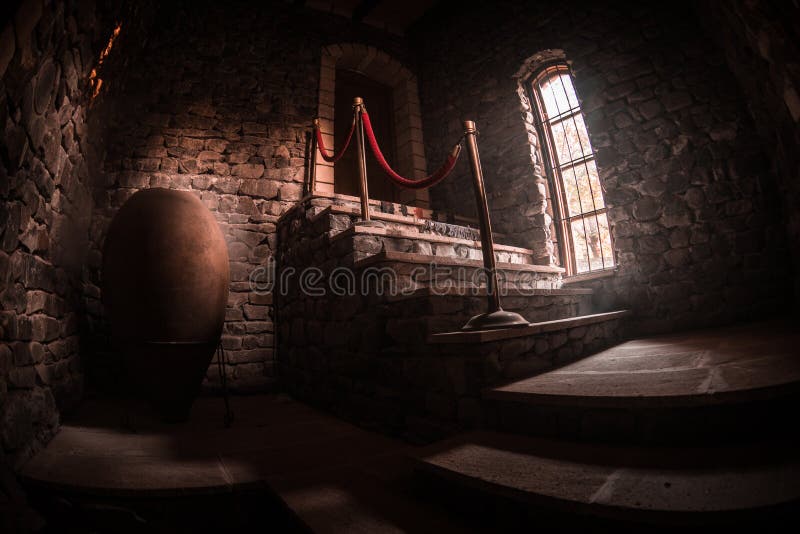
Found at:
<point>344,214</point>
<point>477,360</point>
<point>710,386</point>
<point>371,240</point>
<point>450,308</point>
<point>676,486</point>
<point>411,271</point>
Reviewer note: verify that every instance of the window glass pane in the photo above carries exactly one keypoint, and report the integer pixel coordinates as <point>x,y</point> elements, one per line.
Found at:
<point>592,243</point>
<point>558,94</point>
<point>594,179</point>
<point>605,240</point>
<point>580,245</point>
<point>585,174</point>
<point>548,98</point>
<point>567,90</point>
<point>573,193</point>
<point>583,134</point>
<point>586,237</point>
<point>571,139</point>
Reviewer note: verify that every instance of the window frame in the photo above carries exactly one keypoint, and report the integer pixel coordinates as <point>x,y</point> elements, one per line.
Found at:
<point>561,219</point>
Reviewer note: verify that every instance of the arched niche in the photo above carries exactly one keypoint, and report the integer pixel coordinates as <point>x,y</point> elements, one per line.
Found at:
<point>376,65</point>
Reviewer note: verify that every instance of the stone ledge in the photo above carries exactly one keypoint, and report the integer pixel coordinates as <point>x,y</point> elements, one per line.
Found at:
<point>471,291</point>
<point>586,277</point>
<point>410,257</point>
<point>484,336</point>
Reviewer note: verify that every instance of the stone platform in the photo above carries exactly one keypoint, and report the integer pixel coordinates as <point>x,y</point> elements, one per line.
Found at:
<point>709,385</point>
<point>689,368</point>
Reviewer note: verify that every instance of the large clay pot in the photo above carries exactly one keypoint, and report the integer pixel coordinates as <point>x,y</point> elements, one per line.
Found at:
<point>165,287</point>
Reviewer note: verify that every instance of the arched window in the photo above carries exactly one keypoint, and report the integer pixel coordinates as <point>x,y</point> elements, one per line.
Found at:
<point>579,210</point>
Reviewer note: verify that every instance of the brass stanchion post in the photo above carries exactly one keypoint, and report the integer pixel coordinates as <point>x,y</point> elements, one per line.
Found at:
<point>358,105</point>
<point>312,162</point>
<point>495,317</point>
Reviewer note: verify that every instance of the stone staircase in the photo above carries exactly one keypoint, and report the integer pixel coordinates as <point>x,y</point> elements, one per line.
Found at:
<point>391,354</point>
<point>557,423</point>
<point>686,430</point>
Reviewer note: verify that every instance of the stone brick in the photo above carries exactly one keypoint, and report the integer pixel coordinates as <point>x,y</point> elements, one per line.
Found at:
<point>291,191</point>
<point>6,359</point>
<point>557,340</point>
<point>650,109</point>
<point>652,244</point>
<point>248,170</point>
<point>248,356</point>
<point>45,328</point>
<point>676,100</point>
<point>259,188</point>
<point>22,377</point>
<point>28,353</point>
<point>256,327</point>
<point>577,333</point>
<point>646,209</point>
<point>255,313</point>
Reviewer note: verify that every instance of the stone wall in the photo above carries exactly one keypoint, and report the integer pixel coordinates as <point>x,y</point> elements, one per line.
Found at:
<point>219,103</point>
<point>698,239</point>
<point>761,41</point>
<point>46,54</point>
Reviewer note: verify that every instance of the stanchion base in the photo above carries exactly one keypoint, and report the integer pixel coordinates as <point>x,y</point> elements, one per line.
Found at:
<point>495,320</point>
<point>373,223</point>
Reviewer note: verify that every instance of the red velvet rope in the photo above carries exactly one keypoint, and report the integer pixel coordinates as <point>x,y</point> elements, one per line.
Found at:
<point>440,174</point>
<point>324,151</point>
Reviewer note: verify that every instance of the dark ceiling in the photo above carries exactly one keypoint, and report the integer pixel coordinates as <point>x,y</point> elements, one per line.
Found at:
<point>391,15</point>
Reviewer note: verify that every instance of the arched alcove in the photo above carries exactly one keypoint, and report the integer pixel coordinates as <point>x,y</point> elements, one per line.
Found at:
<point>542,210</point>
<point>378,66</point>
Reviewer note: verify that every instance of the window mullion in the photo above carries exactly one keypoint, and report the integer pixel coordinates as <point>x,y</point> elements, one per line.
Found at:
<point>576,162</point>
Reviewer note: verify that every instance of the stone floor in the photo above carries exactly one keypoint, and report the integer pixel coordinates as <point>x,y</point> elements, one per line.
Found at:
<point>330,475</point>
<point>284,463</point>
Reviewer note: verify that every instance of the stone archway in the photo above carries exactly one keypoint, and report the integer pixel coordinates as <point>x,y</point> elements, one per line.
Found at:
<point>382,68</point>
<point>541,210</point>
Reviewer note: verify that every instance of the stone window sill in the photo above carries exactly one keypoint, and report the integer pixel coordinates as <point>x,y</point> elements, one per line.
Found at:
<point>574,279</point>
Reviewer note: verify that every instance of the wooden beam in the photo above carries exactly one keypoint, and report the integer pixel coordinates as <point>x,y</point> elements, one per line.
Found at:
<point>364,8</point>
